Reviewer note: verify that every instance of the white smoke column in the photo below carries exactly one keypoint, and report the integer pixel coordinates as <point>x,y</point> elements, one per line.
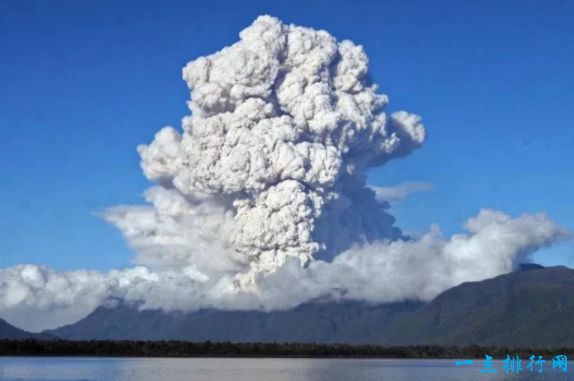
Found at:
<point>261,202</point>
<point>398,193</point>
<point>283,125</point>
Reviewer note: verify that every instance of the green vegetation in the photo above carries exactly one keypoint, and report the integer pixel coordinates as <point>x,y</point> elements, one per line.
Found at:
<point>227,349</point>
<point>522,309</point>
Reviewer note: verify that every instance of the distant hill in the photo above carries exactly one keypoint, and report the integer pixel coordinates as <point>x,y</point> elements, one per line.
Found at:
<point>8,331</point>
<point>527,308</point>
<point>533,307</point>
<point>313,322</point>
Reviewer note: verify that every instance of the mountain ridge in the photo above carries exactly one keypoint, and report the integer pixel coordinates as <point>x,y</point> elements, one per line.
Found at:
<point>505,310</point>
<point>528,308</point>
<point>311,322</point>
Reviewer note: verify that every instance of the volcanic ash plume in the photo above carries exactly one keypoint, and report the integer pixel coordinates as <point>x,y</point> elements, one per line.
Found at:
<point>261,200</point>
<point>283,125</point>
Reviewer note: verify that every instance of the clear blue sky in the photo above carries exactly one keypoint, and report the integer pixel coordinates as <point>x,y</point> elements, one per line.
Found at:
<point>83,82</point>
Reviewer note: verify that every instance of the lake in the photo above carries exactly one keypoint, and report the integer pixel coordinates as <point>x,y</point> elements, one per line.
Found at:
<point>240,369</point>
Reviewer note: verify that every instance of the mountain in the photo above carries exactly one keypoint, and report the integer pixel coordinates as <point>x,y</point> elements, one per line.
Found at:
<point>351,322</point>
<point>529,308</point>
<point>8,331</point>
<point>532,307</point>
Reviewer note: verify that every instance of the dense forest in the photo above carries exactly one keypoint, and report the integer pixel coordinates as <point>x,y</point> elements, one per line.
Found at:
<point>228,349</point>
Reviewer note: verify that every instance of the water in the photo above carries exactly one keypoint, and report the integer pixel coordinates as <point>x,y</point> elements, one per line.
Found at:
<point>222,369</point>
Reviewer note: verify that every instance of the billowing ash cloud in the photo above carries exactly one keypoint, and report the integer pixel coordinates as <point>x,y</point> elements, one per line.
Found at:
<point>283,125</point>
<point>261,199</point>
<point>398,193</point>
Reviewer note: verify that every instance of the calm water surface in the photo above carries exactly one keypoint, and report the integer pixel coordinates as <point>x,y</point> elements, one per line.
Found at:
<point>111,369</point>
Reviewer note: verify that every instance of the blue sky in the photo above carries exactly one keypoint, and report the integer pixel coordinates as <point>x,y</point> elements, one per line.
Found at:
<point>82,83</point>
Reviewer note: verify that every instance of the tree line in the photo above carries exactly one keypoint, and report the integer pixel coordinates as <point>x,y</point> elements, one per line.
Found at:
<point>127,348</point>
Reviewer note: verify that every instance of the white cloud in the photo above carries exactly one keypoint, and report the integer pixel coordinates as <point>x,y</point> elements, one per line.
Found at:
<point>34,297</point>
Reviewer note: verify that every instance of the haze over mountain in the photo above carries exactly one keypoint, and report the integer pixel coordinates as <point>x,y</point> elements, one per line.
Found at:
<point>527,308</point>
<point>8,331</point>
